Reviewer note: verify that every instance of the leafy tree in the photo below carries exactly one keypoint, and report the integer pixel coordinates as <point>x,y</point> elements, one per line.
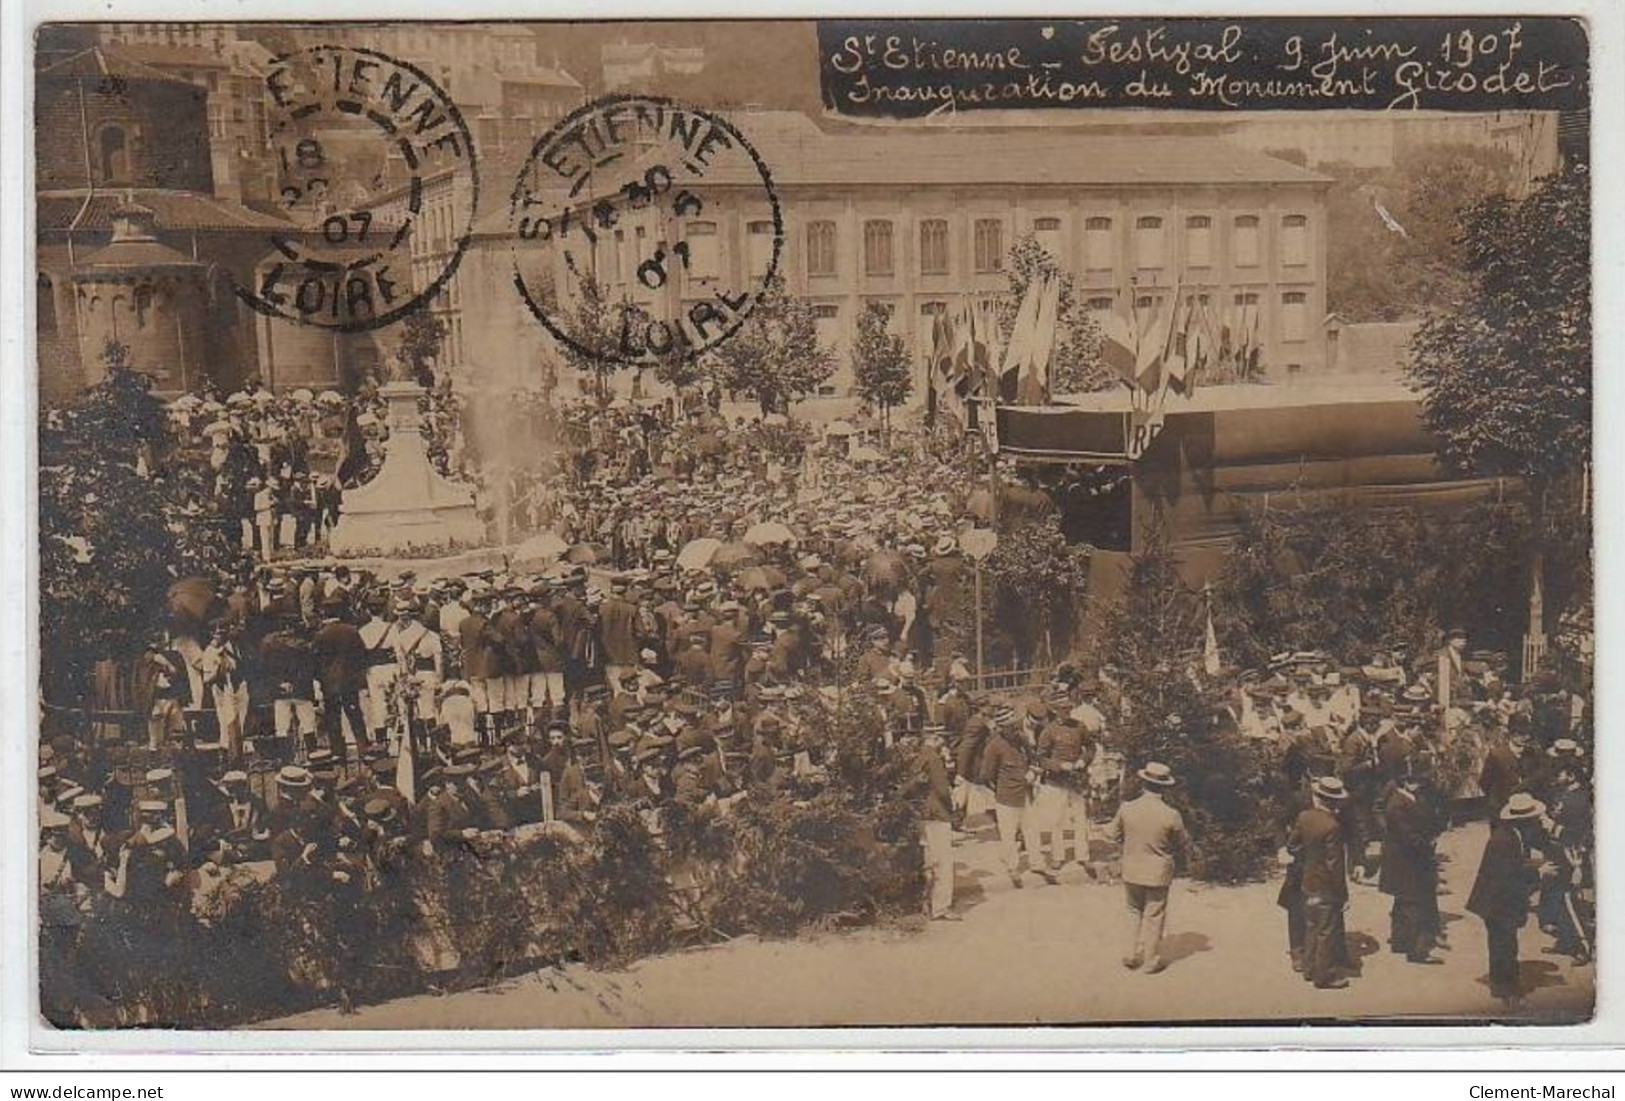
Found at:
<point>1075,361</point>
<point>1505,371</point>
<point>118,526</point>
<point>423,335</point>
<point>775,355</point>
<point>1375,273</point>
<point>880,362</point>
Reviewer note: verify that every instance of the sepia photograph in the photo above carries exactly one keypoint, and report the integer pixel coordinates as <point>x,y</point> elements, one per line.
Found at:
<point>810,524</point>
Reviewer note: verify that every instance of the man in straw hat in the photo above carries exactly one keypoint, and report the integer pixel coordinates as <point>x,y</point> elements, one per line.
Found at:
<point>1316,839</point>
<point>1152,834</point>
<point>1512,868</point>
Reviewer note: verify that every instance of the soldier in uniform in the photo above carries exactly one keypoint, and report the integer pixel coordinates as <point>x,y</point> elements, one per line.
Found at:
<point>418,657</point>
<point>1064,755</point>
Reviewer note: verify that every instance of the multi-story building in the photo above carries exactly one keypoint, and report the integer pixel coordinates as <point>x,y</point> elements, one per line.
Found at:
<point>232,70</point>
<point>920,219</point>
<point>644,66</point>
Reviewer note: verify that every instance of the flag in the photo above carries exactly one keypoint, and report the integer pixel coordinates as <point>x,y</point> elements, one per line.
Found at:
<point>1019,351</point>
<point>1210,646</point>
<point>1176,361</point>
<point>1049,307</point>
<point>406,771</point>
<point>1388,219</point>
<point>1153,343</point>
<point>1117,346</point>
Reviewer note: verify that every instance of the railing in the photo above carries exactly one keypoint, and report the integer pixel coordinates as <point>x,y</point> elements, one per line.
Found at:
<point>1011,680</point>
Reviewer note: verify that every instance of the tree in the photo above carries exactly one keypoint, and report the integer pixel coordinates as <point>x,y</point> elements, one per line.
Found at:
<point>775,356</point>
<point>1376,273</point>
<point>119,525</point>
<point>594,328</point>
<point>1075,361</point>
<point>1505,371</point>
<point>1039,580</point>
<point>880,363</point>
<point>423,335</point>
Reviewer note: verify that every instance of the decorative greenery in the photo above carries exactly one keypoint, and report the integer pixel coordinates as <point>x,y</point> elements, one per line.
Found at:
<point>775,356</point>
<point>1040,580</point>
<point>422,337</point>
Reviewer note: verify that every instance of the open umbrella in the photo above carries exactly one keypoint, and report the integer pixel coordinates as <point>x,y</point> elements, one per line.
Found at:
<point>330,397</point>
<point>302,395</point>
<point>735,554</point>
<point>190,600</point>
<point>769,533</point>
<point>753,579</point>
<point>186,401</point>
<point>585,554</point>
<point>538,550</point>
<point>697,554</point>
<point>840,428</point>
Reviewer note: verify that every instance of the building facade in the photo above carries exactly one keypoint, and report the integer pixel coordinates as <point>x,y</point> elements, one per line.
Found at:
<point>920,220</point>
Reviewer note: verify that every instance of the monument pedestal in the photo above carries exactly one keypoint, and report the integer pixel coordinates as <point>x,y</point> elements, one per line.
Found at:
<point>408,507</point>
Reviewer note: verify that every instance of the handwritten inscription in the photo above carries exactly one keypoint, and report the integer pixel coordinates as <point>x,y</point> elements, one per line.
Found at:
<point>915,68</point>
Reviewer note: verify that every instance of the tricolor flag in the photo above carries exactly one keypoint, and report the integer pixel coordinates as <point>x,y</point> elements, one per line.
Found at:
<point>1388,219</point>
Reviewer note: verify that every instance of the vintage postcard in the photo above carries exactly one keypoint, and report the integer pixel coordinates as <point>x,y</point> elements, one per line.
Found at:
<point>606,525</point>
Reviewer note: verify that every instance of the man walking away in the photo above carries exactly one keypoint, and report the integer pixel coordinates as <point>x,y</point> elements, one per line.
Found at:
<point>936,812</point>
<point>1317,839</point>
<point>1151,834</point>
<point>1408,870</point>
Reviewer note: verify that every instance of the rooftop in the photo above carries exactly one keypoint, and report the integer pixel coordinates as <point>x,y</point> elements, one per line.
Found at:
<point>101,63</point>
<point>1336,390</point>
<point>175,210</point>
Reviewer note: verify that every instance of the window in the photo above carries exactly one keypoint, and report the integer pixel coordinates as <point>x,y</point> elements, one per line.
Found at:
<point>820,248</point>
<point>827,320</point>
<point>1245,246</point>
<point>115,155</point>
<point>1246,299</point>
<point>609,258</point>
<point>143,306</point>
<point>934,246</point>
<point>703,257</point>
<point>758,247</point>
<point>933,309</point>
<point>1294,316</point>
<point>1148,242</point>
<point>44,305</point>
<point>1100,304</point>
<point>1199,241</point>
<point>1147,301</point>
<point>877,251</point>
<point>1047,232</point>
<point>1098,253</point>
<point>989,242</point>
<point>1295,240</point>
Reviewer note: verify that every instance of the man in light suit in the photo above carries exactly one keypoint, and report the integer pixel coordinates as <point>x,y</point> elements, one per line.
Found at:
<point>1151,834</point>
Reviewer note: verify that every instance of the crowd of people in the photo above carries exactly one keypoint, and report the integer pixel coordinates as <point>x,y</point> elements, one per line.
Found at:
<point>717,599</point>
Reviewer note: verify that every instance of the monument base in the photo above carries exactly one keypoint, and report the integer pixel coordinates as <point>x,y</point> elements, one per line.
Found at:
<point>408,509</point>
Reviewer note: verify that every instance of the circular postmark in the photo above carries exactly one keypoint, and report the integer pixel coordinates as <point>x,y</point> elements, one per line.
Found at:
<point>369,153</point>
<point>643,231</point>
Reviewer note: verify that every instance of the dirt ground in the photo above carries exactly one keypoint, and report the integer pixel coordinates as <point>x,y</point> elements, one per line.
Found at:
<point>1040,955</point>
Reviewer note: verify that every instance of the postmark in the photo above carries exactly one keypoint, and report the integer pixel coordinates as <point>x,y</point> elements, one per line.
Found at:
<point>369,153</point>
<point>665,213</point>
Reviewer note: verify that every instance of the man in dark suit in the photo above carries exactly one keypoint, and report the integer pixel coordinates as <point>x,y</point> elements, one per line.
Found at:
<point>1503,771</point>
<point>936,814</point>
<point>617,631</point>
<point>1317,840</point>
<point>1409,872</point>
<point>1508,874</point>
<point>341,671</point>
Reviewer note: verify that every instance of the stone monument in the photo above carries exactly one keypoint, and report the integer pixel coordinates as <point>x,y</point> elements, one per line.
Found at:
<point>408,509</point>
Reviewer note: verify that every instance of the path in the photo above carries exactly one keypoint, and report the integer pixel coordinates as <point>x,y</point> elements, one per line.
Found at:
<point>1042,955</point>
